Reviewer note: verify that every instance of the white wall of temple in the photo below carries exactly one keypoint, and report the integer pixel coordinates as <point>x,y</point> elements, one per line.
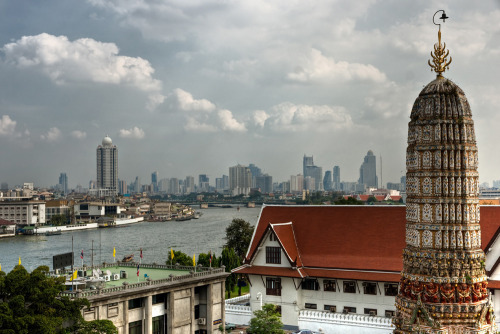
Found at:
<point>294,301</point>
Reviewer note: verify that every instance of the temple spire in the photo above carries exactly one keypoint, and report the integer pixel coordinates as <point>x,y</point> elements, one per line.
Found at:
<point>440,61</point>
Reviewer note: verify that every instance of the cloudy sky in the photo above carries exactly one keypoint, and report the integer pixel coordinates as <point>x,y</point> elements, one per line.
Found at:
<point>192,87</point>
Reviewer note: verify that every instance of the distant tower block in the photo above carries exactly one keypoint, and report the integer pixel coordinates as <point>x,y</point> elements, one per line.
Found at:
<point>443,286</point>
<point>107,165</point>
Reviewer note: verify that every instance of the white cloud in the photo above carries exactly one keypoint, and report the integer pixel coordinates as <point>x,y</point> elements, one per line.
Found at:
<point>228,123</point>
<point>260,117</point>
<point>317,67</point>
<point>185,101</point>
<point>135,133</point>
<point>292,117</point>
<point>7,126</point>
<point>194,125</point>
<point>81,61</point>
<point>79,134</point>
<point>54,134</point>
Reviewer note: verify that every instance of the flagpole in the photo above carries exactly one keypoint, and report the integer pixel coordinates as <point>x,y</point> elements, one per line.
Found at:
<point>72,270</point>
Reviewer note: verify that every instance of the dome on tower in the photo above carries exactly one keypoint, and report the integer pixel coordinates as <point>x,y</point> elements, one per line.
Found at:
<point>107,141</point>
<point>440,99</point>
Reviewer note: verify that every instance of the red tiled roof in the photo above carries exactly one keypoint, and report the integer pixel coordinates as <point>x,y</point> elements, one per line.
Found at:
<point>6,222</point>
<point>360,238</point>
<point>363,198</point>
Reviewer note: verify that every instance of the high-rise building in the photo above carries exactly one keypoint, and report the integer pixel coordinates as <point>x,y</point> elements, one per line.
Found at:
<point>107,166</point>
<point>264,183</point>
<point>240,180</point>
<point>327,181</point>
<point>368,171</point>
<point>314,172</point>
<point>296,184</point>
<point>63,183</point>
<point>189,185</point>
<point>336,178</point>
<point>203,183</point>
<point>154,180</point>
<point>443,287</point>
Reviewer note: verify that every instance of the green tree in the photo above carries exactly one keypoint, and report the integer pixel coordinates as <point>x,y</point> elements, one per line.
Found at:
<point>266,321</point>
<point>31,303</point>
<point>97,327</point>
<point>181,258</point>
<point>58,220</point>
<point>238,236</point>
<point>349,201</point>
<point>230,260</point>
<point>204,260</point>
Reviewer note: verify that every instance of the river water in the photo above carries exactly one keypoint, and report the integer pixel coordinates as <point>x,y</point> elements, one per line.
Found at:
<point>155,238</point>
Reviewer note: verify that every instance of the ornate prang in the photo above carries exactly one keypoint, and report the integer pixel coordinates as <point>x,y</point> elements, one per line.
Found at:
<point>443,287</point>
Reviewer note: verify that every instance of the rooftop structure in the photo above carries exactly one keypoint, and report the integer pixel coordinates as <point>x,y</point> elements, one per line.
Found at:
<point>153,298</point>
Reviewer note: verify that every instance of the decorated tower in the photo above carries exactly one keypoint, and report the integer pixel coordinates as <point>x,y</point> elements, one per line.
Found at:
<point>443,286</point>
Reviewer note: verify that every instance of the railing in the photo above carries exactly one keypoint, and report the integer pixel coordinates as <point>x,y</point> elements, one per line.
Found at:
<point>173,279</point>
<point>343,318</point>
<point>238,299</point>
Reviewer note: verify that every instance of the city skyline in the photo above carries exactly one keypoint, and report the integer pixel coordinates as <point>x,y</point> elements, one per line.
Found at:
<point>186,89</point>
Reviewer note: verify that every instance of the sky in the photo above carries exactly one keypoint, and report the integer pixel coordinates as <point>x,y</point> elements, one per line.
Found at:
<point>194,87</point>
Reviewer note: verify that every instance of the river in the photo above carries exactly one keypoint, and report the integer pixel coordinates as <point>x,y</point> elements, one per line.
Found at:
<point>155,238</point>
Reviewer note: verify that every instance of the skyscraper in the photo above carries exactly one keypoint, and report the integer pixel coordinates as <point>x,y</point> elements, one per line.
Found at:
<point>313,172</point>
<point>240,180</point>
<point>63,183</point>
<point>443,287</point>
<point>154,180</point>
<point>107,165</point>
<point>368,171</point>
<point>336,178</point>
<point>327,181</point>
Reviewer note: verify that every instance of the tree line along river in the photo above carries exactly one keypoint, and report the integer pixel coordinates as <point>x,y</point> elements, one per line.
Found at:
<point>155,238</point>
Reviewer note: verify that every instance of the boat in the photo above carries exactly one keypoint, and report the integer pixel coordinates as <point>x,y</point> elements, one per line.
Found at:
<point>56,232</point>
<point>128,258</point>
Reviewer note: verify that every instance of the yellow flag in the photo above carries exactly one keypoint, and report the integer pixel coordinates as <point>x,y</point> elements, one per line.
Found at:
<point>194,261</point>
<point>74,276</point>
<point>171,254</point>
<point>19,260</point>
<point>114,252</point>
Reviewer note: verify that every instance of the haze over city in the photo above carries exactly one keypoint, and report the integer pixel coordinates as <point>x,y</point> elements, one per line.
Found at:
<point>188,88</point>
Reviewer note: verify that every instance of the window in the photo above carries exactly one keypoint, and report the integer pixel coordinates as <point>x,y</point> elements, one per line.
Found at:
<point>273,255</point>
<point>389,313</point>
<point>273,286</point>
<point>370,311</point>
<point>159,325</point>
<point>391,289</point>
<point>331,308</point>
<point>349,309</point>
<point>310,284</point>
<point>135,327</point>
<point>134,303</point>
<point>158,299</point>
<point>311,306</point>
<point>329,285</point>
<point>349,286</point>
<point>370,288</point>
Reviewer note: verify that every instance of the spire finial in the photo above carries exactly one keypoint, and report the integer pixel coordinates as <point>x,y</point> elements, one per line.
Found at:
<point>440,63</point>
